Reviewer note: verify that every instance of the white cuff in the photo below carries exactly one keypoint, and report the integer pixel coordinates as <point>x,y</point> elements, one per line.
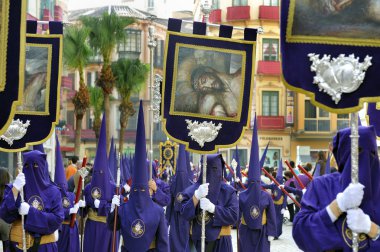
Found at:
<point>332,216</point>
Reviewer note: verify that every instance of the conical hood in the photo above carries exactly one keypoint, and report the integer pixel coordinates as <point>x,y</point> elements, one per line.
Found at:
<point>236,157</point>
<point>317,172</point>
<point>250,198</point>
<point>181,179</point>
<point>262,160</point>
<point>280,173</point>
<point>101,187</point>
<point>59,175</point>
<point>39,147</point>
<point>328,168</point>
<point>140,173</point>
<point>190,173</point>
<point>112,161</point>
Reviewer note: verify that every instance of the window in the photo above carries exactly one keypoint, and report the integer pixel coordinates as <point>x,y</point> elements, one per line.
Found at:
<point>243,157</point>
<point>130,48</point>
<point>150,4</point>
<point>132,121</point>
<point>89,79</point>
<point>239,3</point>
<point>70,118</point>
<point>159,54</point>
<point>72,77</point>
<point>270,2</point>
<point>215,5</point>
<point>316,119</point>
<point>343,121</point>
<point>270,103</point>
<point>270,49</point>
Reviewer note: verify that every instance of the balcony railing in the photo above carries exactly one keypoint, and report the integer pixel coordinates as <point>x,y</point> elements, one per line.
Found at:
<point>271,122</point>
<point>269,12</point>
<point>86,134</point>
<point>215,16</point>
<point>67,82</point>
<point>238,13</point>
<point>269,67</point>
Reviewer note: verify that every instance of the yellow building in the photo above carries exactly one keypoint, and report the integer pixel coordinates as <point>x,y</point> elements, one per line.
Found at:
<point>294,128</point>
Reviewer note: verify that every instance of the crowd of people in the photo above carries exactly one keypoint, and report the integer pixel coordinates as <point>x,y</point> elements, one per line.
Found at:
<point>165,214</point>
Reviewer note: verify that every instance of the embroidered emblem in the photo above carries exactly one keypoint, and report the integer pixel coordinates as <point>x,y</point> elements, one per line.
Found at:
<point>347,236</point>
<point>254,212</point>
<point>36,202</point>
<point>137,228</point>
<point>207,218</point>
<point>96,193</point>
<point>179,197</point>
<point>275,193</point>
<point>65,202</point>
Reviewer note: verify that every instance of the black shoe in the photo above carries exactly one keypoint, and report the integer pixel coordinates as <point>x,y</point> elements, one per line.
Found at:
<point>275,238</point>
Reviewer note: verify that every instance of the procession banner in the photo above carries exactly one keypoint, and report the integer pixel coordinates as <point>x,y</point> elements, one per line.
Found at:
<point>330,52</point>
<point>373,117</point>
<point>12,58</point>
<point>208,82</point>
<point>39,110</point>
<point>168,156</point>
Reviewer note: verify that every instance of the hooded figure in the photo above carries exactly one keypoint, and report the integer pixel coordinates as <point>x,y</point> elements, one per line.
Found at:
<point>221,205</point>
<point>98,195</point>
<point>279,199</point>
<point>327,213</point>
<point>142,222</point>
<point>317,171</point>
<point>42,207</point>
<point>179,227</point>
<point>68,237</point>
<point>161,190</point>
<point>238,182</point>
<point>256,207</point>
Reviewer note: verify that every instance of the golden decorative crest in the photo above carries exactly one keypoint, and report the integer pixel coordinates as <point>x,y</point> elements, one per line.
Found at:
<point>96,193</point>
<point>36,202</point>
<point>254,212</point>
<point>137,228</point>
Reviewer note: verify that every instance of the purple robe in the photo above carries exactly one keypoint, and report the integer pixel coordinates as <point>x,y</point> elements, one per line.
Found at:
<point>256,240</point>
<point>313,229</point>
<point>280,202</point>
<point>162,195</point>
<point>226,214</point>
<point>68,237</point>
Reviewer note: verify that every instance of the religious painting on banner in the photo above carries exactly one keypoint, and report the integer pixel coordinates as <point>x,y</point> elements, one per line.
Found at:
<point>168,157</point>
<point>12,58</point>
<point>373,117</point>
<point>207,84</point>
<point>38,112</point>
<point>330,50</point>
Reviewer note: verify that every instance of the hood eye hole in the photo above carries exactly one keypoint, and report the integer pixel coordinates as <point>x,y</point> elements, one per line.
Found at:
<point>35,165</point>
<point>26,165</point>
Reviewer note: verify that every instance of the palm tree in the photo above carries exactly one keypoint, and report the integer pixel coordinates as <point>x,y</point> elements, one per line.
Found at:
<point>76,53</point>
<point>97,104</point>
<point>106,33</point>
<point>130,76</point>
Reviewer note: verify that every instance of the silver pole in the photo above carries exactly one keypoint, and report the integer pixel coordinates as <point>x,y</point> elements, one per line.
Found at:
<point>19,166</point>
<point>151,44</point>
<point>354,166</point>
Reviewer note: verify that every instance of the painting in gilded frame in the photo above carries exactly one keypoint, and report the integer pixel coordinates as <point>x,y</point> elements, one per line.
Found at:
<point>208,82</point>
<point>334,21</point>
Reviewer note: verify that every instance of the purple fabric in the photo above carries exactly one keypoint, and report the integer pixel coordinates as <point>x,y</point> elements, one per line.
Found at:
<point>50,247</point>
<point>97,237</point>
<point>162,194</point>
<point>112,161</point>
<point>317,172</point>
<point>179,227</point>
<point>262,160</point>
<point>280,176</point>
<point>256,240</point>
<point>304,179</point>
<point>251,197</point>
<point>59,175</point>
<point>39,147</point>
<point>238,168</point>
<point>68,237</point>
<point>312,224</point>
<point>101,179</point>
<point>226,212</point>
<point>328,168</point>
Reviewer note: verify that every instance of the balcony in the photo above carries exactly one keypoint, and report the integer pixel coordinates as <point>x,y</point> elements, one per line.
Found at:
<point>67,83</point>
<point>86,134</point>
<point>215,16</point>
<point>238,13</point>
<point>269,67</point>
<point>70,95</point>
<point>269,13</point>
<point>271,122</point>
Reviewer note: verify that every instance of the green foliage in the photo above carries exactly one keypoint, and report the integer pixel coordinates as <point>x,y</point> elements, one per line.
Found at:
<point>76,50</point>
<point>106,32</point>
<point>96,100</point>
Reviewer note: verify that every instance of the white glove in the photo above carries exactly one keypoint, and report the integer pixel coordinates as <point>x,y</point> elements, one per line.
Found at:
<point>358,221</point>
<point>19,181</point>
<point>82,203</point>
<point>281,187</point>
<point>351,197</point>
<point>283,211</point>
<point>96,203</point>
<point>127,188</point>
<point>24,208</point>
<point>56,235</point>
<point>202,191</point>
<point>74,209</point>
<point>115,202</point>
<point>207,205</point>
<point>270,238</point>
<point>237,180</point>
<point>303,191</point>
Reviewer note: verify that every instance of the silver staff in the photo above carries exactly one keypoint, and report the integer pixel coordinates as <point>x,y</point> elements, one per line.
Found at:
<point>19,166</point>
<point>354,166</point>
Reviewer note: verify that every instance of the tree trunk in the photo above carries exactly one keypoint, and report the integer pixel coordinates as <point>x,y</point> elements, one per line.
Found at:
<point>78,132</point>
<point>107,111</point>
<point>123,126</point>
<point>96,127</point>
